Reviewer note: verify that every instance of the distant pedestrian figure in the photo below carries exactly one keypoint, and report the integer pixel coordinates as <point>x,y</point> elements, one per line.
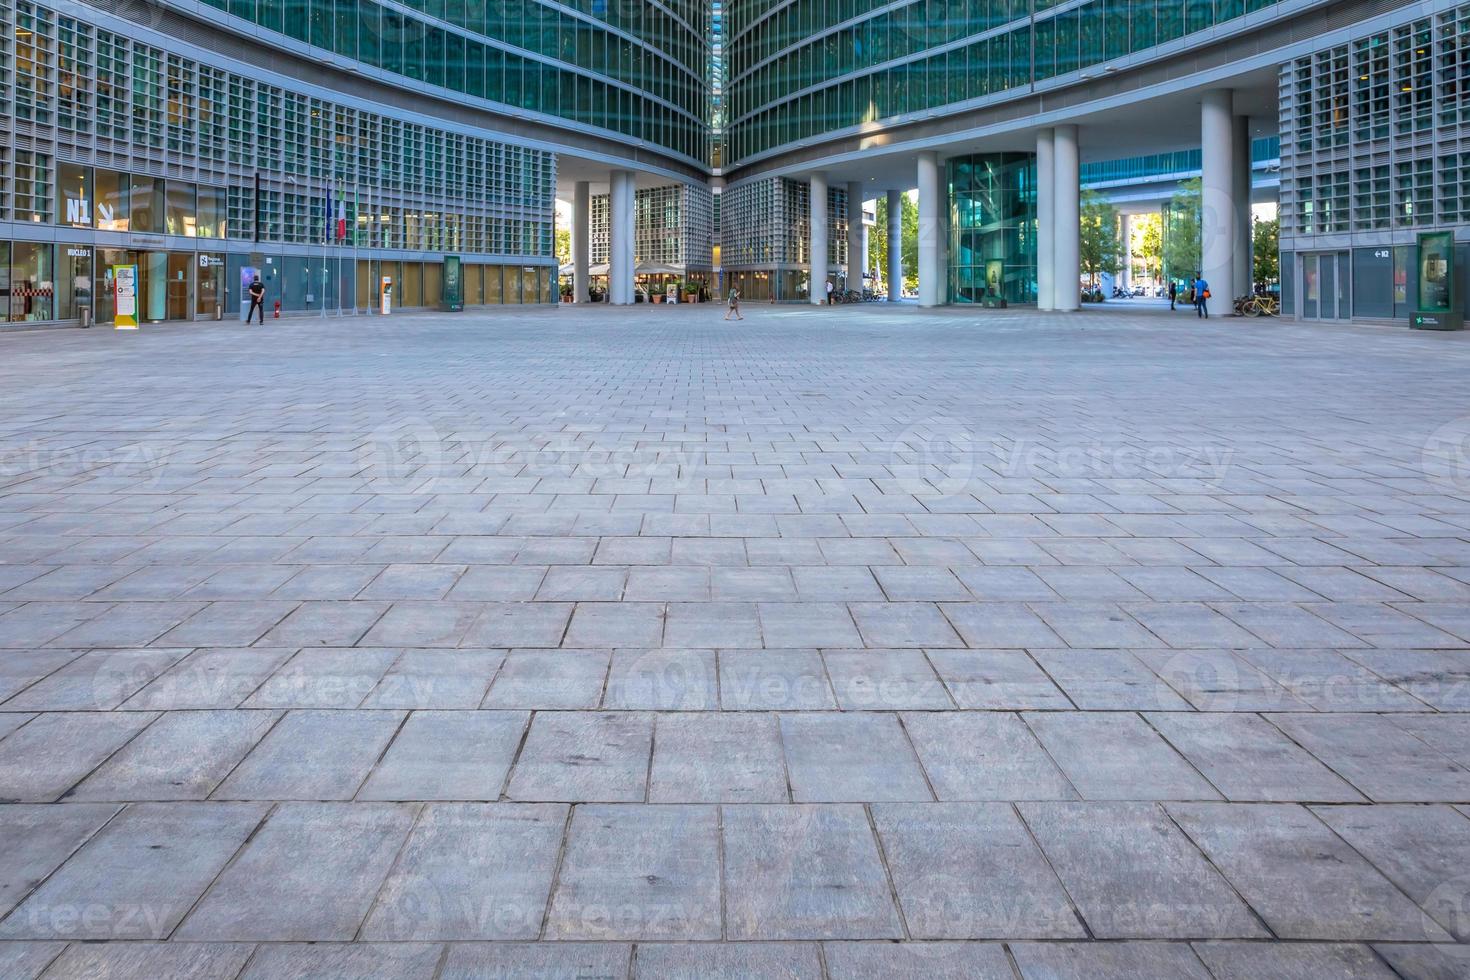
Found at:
<point>733,304</point>
<point>1202,298</point>
<point>1173,293</point>
<point>257,301</point>
<point>829,292</point>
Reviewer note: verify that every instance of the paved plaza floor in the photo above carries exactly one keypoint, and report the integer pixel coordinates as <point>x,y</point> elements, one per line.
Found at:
<point>843,643</point>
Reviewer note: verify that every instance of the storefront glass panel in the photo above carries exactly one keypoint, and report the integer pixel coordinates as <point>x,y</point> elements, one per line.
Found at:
<point>4,280</point>
<point>110,200</point>
<point>103,295</point>
<point>494,292</point>
<point>474,285</point>
<point>74,284</point>
<point>433,283</point>
<point>145,202</point>
<point>410,292</point>
<point>513,284</point>
<point>32,282</point>
<point>992,228</point>
<point>210,290</point>
<point>211,209</point>
<point>74,195</point>
<point>179,209</point>
<point>180,285</point>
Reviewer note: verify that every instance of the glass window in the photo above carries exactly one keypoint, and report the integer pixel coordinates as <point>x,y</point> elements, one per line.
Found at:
<point>210,212</point>
<point>74,195</point>
<point>180,209</point>
<point>32,285</point>
<point>110,200</point>
<point>145,201</point>
<point>75,282</point>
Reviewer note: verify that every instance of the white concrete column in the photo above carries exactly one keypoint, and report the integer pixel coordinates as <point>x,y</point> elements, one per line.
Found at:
<point>1217,198</point>
<point>1125,261</point>
<point>856,258</point>
<point>1046,259</point>
<point>620,238</point>
<point>931,275</point>
<point>895,246</point>
<point>1066,220</point>
<point>817,291</point>
<point>581,244</point>
<point>1241,147</point>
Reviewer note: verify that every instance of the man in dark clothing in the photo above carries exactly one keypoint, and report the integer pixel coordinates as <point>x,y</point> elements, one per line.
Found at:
<point>1173,292</point>
<point>257,301</point>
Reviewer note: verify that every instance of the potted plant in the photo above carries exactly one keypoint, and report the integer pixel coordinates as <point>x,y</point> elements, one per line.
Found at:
<point>566,293</point>
<point>690,291</point>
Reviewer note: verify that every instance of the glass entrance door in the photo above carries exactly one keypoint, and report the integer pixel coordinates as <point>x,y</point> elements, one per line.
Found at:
<point>1325,286</point>
<point>180,285</point>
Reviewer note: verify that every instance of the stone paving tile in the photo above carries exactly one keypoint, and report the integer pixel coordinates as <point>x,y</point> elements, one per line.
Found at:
<point>916,961</point>
<point>534,961</point>
<point>728,961</point>
<point>310,874</point>
<point>662,680</point>
<point>1117,756</point>
<point>1220,680</point>
<point>549,679</point>
<point>1439,678</point>
<point>436,679</point>
<point>584,757</point>
<point>52,752</point>
<point>471,871</point>
<point>312,755</point>
<point>21,668</point>
<point>344,961</point>
<point>1291,961</point>
<point>971,871</point>
<point>984,756</point>
<point>1379,758</point>
<point>182,756</point>
<point>726,758</point>
<point>1423,961</point>
<point>838,758</point>
<point>1416,848</point>
<point>1249,760</point>
<point>1134,875</point>
<point>1329,681</point>
<point>1302,880</point>
<point>774,680</point>
<point>139,875</point>
<point>448,755</point>
<point>1106,680</point>
<point>157,960</point>
<point>35,840</point>
<point>804,872</point>
<point>95,681</point>
<point>996,679</point>
<point>1447,734</point>
<point>324,678</point>
<point>647,872</point>
<point>885,680</point>
<point>1107,961</point>
<point>210,678</point>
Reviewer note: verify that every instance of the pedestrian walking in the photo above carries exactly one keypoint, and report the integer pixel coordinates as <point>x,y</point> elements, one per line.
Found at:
<point>733,305</point>
<point>1201,298</point>
<point>257,301</point>
<point>829,292</point>
<point>1173,293</point>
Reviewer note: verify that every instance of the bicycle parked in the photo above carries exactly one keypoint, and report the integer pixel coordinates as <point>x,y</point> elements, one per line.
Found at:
<point>1257,305</point>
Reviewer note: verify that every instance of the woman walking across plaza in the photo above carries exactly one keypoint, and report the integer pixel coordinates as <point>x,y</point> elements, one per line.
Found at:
<point>734,304</point>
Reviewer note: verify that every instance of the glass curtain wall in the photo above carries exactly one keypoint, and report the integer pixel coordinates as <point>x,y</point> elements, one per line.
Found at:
<point>992,228</point>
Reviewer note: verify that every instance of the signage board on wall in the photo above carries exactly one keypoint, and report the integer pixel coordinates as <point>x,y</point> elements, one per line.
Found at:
<point>125,297</point>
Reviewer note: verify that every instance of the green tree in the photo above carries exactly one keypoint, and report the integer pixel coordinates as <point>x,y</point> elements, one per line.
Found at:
<point>878,240</point>
<point>1097,242</point>
<point>563,246</point>
<point>1151,243</point>
<point>1182,231</point>
<point>1266,249</point>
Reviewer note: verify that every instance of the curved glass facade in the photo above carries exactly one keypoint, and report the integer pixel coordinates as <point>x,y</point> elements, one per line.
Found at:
<point>639,70</point>
<point>807,68</point>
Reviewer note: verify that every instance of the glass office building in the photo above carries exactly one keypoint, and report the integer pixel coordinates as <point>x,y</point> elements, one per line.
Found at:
<point>324,145</point>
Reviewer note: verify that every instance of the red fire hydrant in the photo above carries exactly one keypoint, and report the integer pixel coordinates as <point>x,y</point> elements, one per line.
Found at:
<point>277,314</point>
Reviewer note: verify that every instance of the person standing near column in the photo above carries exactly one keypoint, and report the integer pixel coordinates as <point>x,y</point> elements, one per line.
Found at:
<point>1201,297</point>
